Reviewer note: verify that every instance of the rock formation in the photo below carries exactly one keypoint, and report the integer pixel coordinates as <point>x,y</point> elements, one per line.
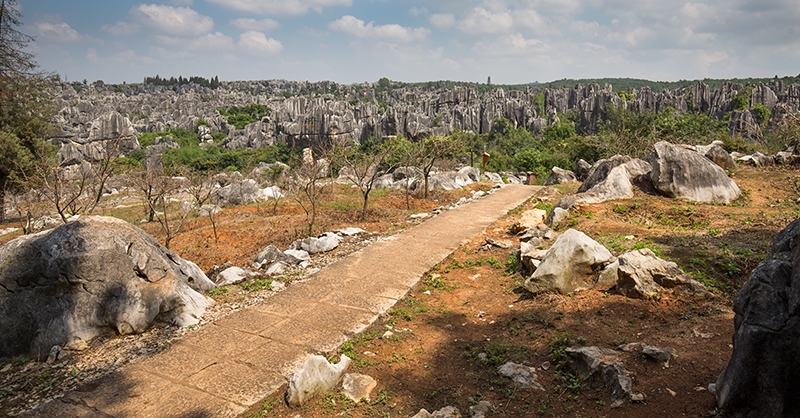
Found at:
<point>90,277</point>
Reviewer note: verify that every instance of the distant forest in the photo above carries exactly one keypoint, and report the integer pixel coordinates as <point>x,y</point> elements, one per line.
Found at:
<point>180,81</point>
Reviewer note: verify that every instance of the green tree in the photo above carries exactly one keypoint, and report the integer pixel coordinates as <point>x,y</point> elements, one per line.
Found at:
<point>25,107</point>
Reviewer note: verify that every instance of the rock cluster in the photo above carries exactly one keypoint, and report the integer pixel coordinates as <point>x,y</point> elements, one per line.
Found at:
<point>301,113</point>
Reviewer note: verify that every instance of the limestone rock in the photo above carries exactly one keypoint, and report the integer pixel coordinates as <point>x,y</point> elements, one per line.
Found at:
<point>349,232</point>
<point>358,387</point>
<point>600,171</point>
<point>480,409</point>
<point>641,274</point>
<point>559,176</point>
<point>757,160</point>
<point>720,157</point>
<point>473,173</point>
<point>232,275</point>
<point>582,170</point>
<point>324,243</point>
<point>90,277</point>
<point>522,376</point>
<point>272,254</point>
<point>446,412</point>
<point>315,377</point>
<point>572,263</point>
<point>662,354</point>
<point>604,364</point>
<point>761,377</point>
<point>684,174</point>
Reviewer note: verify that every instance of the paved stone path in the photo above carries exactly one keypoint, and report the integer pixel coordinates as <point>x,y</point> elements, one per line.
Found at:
<point>222,369</point>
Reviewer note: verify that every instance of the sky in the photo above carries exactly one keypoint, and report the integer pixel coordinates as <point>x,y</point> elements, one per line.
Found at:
<point>354,41</point>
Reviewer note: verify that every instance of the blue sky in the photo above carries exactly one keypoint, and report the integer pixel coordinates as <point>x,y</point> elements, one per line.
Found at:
<point>513,41</point>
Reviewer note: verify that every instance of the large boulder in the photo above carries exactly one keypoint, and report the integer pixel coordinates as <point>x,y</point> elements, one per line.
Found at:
<point>684,174</point>
<point>763,374</point>
<point>641,274</point>
<point>572,263</point>
<point>94,276</point>
<point>559,176</point>
<point>600,170</point>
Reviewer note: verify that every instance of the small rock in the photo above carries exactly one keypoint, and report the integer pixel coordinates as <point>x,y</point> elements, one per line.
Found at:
<point>232,275</point>
<point>53,356</point>
<point>276,269</point>
<point>387,335</point>
<point>522,376</point>
<point>77,345</point>
<point>480,410</point>
<point>671,392</point>
<point>712,387</point>
<point>661,354</point>
<point>358,386</point>
<point>637,398</point>
<point>482,356</point>
<point>546,366</point>
<point>315,377</point>
<point>419,215</point>
<point>499,243</point>
<point>349,232</point>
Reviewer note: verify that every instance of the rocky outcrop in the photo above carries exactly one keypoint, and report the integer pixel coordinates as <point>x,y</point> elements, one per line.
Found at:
<point>572,263</point>
<point>559,176</point>
<point>641,274</point>
<point>90,277</point>
<point>315,377</point>
<point>763,374</point>
<point>684,174</point>
<point>301,114</point>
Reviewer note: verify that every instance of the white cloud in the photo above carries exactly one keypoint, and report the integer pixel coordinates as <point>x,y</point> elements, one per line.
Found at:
<point>280,7</point>
<point>256,25</point>
<point>512,45</point>
<point>390,32</point>
<point>213,42</point>
<point>174,21</point>
<point>256,43</point>
<point>482,21</point>
<point>121,28</point>
<point>417,11</point>
<point>91,54</point>
<point>443,21</point>
<point>59,32</point>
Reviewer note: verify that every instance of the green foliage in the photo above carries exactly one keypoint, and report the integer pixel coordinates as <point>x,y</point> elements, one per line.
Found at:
<point>243,116</point>
<point>762,114</point>
<point>538,104</point>
<point>741,101</point>
<point>258,284</point>
<point>213,157</point>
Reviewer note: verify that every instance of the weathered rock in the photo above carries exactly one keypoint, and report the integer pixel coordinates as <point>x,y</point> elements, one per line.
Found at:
<point>91,277</point>
<point>601,363</point>
<point>720,157</point>
<point>473,173</point>
<point>232,275</point>
<point>532,218</point>
<point>324,243</point>
<point>315,377</point>
<point>358,387</point>
<point>743,124</point>
<point>572,263</point>
<point>237,193</point>
<point>762,376</point>
<point>446,412</point>
<point>684,174</point>
<point>499,243</point>
<point>556,215</point>
<point>349,232</point>
<point>559,176</point>
<point>300,256</point>
<point>757,160</point>
<point>522,375</point>
<point>493,177</point>
<point>582,170</point>
<point>480,409</point>
<point>206,211</point>
<point>662,354</point>
<point>272,254</point>
<point>276,269</point>
<point>642,275</point>
<point>600,170</point>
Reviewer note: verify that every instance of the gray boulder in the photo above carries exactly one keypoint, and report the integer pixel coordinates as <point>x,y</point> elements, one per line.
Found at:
<point>757,160</point>
<point>763,374</point>
<point>641,274</point>
<point>523,376</point>
<point>94,276</point>
<point>720,157</point>
<point>604,364</point>
<point>582,169</point>
<point>572,263</point>
<point>237,193</point>
<point>559,176</point>
<point>272,254</point>
<point>324,243</point>
<point>684,174</point>
<point>473,173</point>
<point>493,177</point>
<point>600,170</point>
<point>232,275</point>
<point>358,387</point>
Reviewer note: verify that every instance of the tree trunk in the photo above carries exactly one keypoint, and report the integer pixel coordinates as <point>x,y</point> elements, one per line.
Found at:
<point>364,208</point>
<point>2,201</point>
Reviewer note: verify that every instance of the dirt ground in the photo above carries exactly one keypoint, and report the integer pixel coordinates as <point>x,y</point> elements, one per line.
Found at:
<point>471,315</point>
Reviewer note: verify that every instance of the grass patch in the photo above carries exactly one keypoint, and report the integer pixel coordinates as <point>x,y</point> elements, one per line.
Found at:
<point>258,284</point>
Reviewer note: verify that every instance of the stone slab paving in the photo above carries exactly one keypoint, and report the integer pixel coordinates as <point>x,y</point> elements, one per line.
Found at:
<point>224,368</point>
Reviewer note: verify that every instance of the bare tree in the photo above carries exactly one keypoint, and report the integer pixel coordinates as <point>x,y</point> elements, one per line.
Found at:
<point>159,188</point>
<point>76,189</point>
<point>308,184</point>
<point>363,165</point>
<point>201,188</point>
<point>433,149</point>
